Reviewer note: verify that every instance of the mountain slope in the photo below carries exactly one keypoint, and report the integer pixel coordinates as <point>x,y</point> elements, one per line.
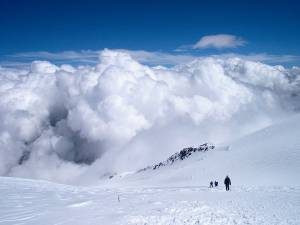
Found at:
<point>270,156</point>
<point>177,196</point>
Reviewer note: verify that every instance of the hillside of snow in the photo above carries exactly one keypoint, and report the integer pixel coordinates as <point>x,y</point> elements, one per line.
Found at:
<point>270,156</point>
<point>263,166</point>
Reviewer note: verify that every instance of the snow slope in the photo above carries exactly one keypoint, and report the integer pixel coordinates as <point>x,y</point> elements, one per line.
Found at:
<point>270,156</point>
<point>264,168</point>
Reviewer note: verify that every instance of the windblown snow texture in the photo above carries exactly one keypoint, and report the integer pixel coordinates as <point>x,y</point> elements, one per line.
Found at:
<point>47,203</point>
<point>70,124</point>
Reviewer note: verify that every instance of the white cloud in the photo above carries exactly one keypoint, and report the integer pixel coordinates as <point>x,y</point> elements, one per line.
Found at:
<point>219,41</point>
<point>89,57</point>
<point>92,57</point>
<point>43,67</point>
<point>261,57</point>
<point>158,58</point>
<point>83,56</point>
<point>121,109</point>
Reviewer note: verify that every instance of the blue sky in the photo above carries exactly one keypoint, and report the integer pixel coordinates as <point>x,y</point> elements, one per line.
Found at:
<point>264,27</point>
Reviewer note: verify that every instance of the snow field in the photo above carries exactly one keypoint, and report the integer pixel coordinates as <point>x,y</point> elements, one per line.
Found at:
<point>39,202</point>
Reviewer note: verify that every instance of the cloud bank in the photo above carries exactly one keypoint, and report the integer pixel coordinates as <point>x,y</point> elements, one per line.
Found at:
<point>150,58</point>
<point>75,124</point>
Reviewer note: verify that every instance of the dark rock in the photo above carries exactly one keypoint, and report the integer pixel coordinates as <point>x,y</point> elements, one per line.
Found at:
<point>182,155</point>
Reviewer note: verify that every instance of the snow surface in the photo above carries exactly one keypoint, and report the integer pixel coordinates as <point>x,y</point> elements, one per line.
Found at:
<point>263,166</point>
<point>40,202</point>
<point>269,157</point>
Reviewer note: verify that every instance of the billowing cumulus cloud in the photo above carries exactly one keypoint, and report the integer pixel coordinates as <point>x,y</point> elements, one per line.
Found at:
<point>76,124</point>
<point>219,41</point>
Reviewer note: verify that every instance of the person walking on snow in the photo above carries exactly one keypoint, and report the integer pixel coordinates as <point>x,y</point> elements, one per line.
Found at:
<point>216,183</point>
<point>227,183</point>
<point>211,184</point>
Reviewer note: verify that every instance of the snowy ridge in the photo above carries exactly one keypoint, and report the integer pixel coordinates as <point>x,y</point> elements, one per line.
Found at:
<point>182,155</point>
<point>268,157</point>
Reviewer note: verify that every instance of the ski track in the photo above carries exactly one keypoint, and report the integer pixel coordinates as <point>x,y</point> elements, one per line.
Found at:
<point>36,202</point>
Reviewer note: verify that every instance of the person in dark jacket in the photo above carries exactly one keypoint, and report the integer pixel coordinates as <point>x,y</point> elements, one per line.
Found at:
<point>211,184</point>
<point>216,183</point>
<point>227,183</point>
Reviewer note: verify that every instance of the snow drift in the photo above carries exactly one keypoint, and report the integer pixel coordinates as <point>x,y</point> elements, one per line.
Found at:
<point>66,124</point>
